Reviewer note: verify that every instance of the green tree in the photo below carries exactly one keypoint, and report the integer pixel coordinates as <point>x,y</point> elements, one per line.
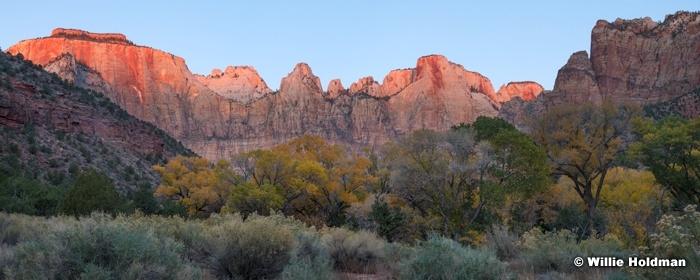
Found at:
<point>670,148</point>
<point>92,191</point>
<point>453,177</point>
<point>19,194</point>
<point>388,219</point>
<point>582,143</point>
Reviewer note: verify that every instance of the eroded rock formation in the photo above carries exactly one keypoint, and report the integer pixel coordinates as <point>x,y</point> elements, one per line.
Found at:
<point>233,110</point>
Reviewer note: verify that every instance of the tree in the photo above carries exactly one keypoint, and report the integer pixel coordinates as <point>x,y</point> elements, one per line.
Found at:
<point>247,198</point>
<point>317,181</point>
<point>670,148</point>
<point>92,191</point>
<point>195,184</point>
<point>582,143</point>
<point>454,177</point>
<point>388,219</point>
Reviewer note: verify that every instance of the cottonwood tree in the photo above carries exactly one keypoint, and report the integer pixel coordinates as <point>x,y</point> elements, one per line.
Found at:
<point>316,180</point>
<point>195,183</point>
<point>453,177</point>
<point>582,143</point>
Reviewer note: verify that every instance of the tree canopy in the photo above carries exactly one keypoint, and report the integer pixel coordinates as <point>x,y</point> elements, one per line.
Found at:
<point>582,143</point>
<point>670,148</point>
<point>92,191</point>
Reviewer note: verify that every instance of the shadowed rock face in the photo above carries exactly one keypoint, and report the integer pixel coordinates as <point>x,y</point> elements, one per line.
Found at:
<point>234,110</point>
<point>25,103</point>
<point>645,62</point>
<point>636,60</point>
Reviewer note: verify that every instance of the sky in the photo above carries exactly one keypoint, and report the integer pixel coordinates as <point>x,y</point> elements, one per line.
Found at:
<point>503,40</point>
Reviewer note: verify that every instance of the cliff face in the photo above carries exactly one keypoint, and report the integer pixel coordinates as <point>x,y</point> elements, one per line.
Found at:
<point>645,62</point>
<point>234,110</point>
<point>636,61</point>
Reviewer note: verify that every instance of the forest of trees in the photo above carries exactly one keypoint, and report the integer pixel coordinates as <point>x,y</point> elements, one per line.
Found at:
<point>482,200</point>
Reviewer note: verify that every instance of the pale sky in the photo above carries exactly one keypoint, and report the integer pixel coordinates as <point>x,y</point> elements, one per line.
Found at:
<point>503,40</point>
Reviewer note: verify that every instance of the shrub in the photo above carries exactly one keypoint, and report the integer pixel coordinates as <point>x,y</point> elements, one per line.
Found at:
<point>309,259</point>
<point>441,258</point>
<point>6,255</point>
<point>556,250</point>
<point>357,252</point>
<point>503,242</point>
<point>676,237</point>
<point>255,249</point>
<point>98,247</point>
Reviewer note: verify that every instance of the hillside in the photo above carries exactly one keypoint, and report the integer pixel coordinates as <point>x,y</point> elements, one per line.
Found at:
<point>51,130</point>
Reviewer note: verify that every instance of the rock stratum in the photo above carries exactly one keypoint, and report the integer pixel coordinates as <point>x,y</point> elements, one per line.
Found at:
<point>234,110</point>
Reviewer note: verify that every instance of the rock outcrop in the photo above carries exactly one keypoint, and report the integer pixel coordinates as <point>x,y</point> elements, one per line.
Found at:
<point>366,85</point>
<point>335,88</point>
<point>233,110</point>
<point>576,82</point>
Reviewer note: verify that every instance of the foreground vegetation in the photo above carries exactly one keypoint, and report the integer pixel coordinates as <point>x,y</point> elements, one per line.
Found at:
<point>226,246</point>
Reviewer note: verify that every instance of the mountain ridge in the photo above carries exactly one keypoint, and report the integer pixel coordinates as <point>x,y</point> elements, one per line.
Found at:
<point>222,114</point>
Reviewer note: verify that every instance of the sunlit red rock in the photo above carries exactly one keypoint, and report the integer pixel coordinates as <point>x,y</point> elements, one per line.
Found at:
<point>233,110</point>
<point>527,91</point>
<point>239,83</point>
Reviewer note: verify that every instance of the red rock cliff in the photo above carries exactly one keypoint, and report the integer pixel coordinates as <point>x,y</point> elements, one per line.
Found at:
<point>208,114</point>
<point>636,60</point>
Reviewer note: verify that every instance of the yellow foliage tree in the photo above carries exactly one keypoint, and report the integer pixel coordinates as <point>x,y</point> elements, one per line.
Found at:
<point>194,183</point>
<point>317,181</point>
<point>631,204</point>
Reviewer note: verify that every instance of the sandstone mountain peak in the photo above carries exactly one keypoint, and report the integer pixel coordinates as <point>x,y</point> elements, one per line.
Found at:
<point>638,60</point>
<point>576,81</point>
<point>301,79</point>
<point>335,88</point>
<point>366,85</point>
<point>157,87</point>
<point>439,70</point>
<point>302,69</point>
<point>681,21</point>
<point>526,90</point>
<point>216,72</point>
<point>84,35</point>
<point>238,83</point>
